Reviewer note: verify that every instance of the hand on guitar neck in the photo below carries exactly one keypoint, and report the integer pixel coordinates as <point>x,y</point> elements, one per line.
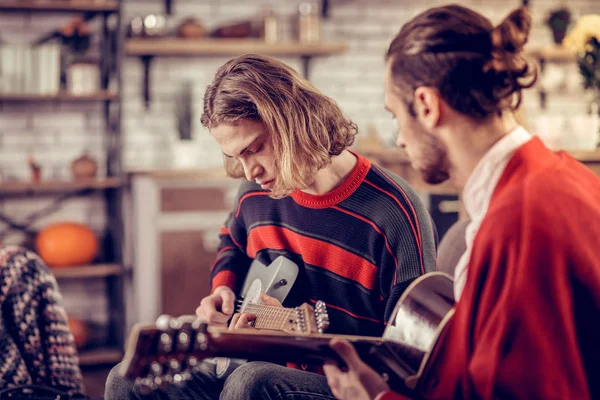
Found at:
<point>217,308</point>
<point>246,320</point>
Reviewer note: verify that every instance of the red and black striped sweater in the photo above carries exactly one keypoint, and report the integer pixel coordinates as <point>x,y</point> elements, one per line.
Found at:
<point>358,246</point>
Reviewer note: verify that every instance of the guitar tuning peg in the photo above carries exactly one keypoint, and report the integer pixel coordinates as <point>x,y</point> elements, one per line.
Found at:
<point>177,379</point>
<point>186,376</point>
<point>163,322</point>
<point>322,326</point>
<point>192,362</point>
<point>174,365</point>
<point>186,319</point>
<point>155,368</point>
<point>167,381</point>
<point>183,340</point>
<point>158,382</point>
<point>201,341</point>
<point>145,386</point>
<point>174,323</point>
<point>166,342</point>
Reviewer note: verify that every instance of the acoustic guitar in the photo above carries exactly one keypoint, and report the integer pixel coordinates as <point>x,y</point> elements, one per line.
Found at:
<point>156,355</point>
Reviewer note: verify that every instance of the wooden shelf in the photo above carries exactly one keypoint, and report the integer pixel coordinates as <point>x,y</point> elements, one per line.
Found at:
<point>103,355</point>
<point>227,47</point>
<point>397,160</point>
<point>178,173</point>
<point>63,96</point>
<point>586,157</point>
<point>87,271</point>
<point>552,54</point>
<point>59,5</point>
<point>58,186</point>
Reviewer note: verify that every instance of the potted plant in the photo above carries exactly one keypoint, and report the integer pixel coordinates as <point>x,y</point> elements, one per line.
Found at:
<point>558,21</point>
<point>584,41</point>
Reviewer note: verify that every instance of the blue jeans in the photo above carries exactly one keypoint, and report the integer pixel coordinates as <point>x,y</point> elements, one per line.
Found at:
<point>254,380</point>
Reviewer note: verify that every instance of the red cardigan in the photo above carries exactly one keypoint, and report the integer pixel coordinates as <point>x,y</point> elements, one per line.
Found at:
<point>527,325</point>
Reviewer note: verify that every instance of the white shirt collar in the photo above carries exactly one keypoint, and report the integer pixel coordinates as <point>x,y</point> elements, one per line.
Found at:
<point>482,182</point>
<point>478,191</point>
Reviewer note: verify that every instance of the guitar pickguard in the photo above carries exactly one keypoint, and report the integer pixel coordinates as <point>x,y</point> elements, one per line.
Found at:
<point>276,280</point>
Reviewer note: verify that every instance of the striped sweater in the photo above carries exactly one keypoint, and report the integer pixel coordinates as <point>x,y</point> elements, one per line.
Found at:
<point>358,246</point>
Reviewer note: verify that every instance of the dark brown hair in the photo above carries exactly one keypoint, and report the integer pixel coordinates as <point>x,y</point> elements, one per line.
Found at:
<point>477,68</point>
<point>306,127</point>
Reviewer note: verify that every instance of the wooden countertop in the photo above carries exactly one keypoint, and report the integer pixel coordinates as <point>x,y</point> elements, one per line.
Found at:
<point>172,173</point>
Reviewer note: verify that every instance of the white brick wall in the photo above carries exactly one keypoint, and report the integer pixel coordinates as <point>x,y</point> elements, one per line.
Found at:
<point>353,79</point>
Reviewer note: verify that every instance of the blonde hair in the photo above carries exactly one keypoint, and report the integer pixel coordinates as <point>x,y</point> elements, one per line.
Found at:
<point>306,128</point>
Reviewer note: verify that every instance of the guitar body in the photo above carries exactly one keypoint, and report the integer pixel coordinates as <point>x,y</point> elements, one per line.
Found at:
<point>419,318</point>
<point>276,280</point>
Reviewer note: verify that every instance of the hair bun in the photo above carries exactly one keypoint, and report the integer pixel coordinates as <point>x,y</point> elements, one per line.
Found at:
<point>512,33</point>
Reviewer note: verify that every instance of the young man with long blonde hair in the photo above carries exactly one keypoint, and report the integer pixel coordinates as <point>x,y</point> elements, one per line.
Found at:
<point>359,234</point>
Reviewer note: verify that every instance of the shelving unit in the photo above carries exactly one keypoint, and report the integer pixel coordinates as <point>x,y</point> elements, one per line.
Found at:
<point>59,186</point>
<point>397,159</point>
<point>228,47</point>
<point>98,356</point>
<point>552,54</point>
<point>110,267</point>
<point>59,6</point>
<point>87,271</point>
<point>62,96</point>
<point>149,48</point>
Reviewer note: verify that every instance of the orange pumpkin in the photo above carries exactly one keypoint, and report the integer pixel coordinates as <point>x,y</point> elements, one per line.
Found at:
<point>80,331</point>
<point>66,244</point>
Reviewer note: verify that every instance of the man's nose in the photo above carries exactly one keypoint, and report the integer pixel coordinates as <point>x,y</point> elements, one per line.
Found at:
<point>251,170</point>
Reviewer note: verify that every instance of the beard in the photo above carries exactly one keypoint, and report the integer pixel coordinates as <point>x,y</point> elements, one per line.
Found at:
<point>434,176</point>
<point>434,163</point>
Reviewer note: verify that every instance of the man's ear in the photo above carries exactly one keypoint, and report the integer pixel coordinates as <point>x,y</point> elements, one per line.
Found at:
<point>428,106</point>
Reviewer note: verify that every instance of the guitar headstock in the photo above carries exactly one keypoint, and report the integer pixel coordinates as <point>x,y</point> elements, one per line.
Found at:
<point>166,353</point>
<point>311,320</point>
<point>169,351</point>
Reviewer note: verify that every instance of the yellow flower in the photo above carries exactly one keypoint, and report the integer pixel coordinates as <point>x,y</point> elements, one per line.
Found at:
<point>587,26</point>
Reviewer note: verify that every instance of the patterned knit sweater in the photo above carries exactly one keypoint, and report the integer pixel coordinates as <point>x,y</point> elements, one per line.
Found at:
<point>358,246</point>
<point>36,346</point>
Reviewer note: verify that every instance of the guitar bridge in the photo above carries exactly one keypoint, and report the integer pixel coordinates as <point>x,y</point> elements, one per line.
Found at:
<point>300,320</point>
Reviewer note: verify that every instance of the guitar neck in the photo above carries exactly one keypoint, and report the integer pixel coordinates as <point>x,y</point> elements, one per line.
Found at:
<point>394,359</point>
<point>270,317</point>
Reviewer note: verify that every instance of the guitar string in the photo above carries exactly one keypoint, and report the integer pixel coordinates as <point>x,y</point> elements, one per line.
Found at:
<point>269,317</point>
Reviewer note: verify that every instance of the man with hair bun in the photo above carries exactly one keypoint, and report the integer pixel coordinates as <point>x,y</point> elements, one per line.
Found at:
<point>527,318</point>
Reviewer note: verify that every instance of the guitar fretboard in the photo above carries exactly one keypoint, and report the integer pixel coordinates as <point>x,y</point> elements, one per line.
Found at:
<point>269,317</point>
